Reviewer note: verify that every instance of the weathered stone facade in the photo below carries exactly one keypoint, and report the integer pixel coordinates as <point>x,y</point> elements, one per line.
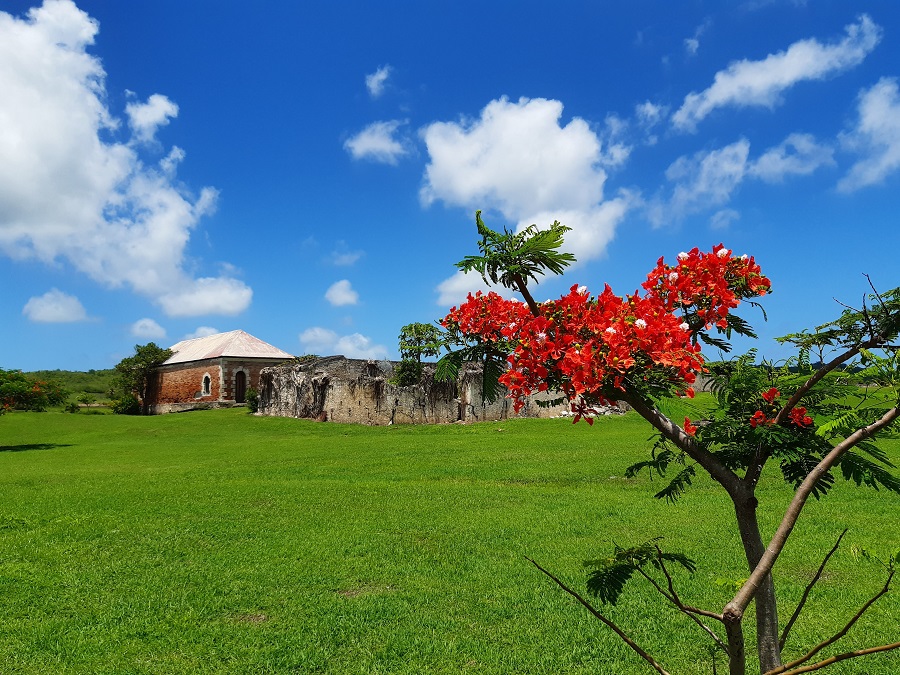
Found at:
<point>213,371</point>
<point>180,387</point>
<point>338,389</point>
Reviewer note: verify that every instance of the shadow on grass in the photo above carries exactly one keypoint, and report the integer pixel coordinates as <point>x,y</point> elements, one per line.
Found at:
<point>33,446</point>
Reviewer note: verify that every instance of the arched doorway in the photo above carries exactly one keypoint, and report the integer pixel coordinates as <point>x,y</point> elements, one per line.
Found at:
<point>240,387</point>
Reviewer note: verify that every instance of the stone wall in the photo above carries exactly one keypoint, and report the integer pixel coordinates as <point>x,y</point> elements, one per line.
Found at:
<point>353,390</point>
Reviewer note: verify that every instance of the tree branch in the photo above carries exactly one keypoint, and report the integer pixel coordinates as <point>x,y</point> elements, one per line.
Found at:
<point>522,287</point>
<point>710,463</point>
<point>821,373</point>
<point>808,590</point>
<point>841,657</point>
<point>672,596</point>
<point>618,631</point>
<point>735,609</point>
<point>837,636</point>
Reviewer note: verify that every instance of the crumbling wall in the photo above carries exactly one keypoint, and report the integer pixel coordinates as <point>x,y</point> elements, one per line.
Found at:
<point>353,390</point>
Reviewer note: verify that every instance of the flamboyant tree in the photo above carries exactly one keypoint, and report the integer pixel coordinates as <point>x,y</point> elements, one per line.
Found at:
<point>18,391</point>
<point>814,420</point>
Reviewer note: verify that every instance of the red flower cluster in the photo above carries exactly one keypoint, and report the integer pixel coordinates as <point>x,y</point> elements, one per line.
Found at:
<point>587,346</point>
<point>797,415</point>
<point>759,418</point>
<point>708,284</point>
<point>800,418</point>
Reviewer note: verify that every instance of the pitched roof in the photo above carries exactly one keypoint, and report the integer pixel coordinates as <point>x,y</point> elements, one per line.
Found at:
<point>234,343</point>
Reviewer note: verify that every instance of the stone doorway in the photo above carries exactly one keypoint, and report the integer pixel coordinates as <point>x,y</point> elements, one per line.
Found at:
<point>240,387</point>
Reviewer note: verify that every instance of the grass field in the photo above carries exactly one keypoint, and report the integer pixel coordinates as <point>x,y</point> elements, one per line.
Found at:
<point>220,542</point>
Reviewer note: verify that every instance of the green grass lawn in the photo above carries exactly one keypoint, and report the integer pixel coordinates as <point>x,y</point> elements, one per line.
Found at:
<point>220,542</point>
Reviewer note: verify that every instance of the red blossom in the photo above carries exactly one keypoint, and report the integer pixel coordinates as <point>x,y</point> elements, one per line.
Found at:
<point>771,395</point>
<point>586,346</point>
<point>800,418</point>
<point>689,428</point>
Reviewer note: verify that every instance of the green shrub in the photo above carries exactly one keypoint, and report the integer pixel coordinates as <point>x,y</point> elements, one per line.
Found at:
<point>127,405</point>
<point>252,400</point>
<point>407,373</point>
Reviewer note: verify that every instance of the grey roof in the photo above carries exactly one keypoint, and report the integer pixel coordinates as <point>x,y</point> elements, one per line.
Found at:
<point>235,343</point>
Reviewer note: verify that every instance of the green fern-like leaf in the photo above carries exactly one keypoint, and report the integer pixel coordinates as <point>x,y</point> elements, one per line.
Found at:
<point>677,485</point>
<point>864,471</point>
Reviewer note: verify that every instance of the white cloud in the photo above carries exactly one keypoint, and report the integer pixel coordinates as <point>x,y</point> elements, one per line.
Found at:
<point>798,154</point>
<point>147,329</point>
<point>201,331</point>
<point>114,216</point>
<point>376,81</point>
<point>325,342</point>
<point>707,179</point>
<point>341,256</point>
<point>692,44</point>
<point>145,118</point>
<point>378,143</point>
<point>761,83</point>
<point>876,136</point>
<point>722,220</point>
<point>54,306</point>
<point>209,295</point>
<point>517,159</point>
<point>650,114</point>
<point>341,293</point>
<point>453,290</point>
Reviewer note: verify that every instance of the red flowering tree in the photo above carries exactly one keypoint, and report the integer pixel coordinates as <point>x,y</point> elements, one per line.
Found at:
<point>644,347</point>
<point>20,392</point>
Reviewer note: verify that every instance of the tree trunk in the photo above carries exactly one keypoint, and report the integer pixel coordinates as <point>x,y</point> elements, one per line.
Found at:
<point>764,599</point>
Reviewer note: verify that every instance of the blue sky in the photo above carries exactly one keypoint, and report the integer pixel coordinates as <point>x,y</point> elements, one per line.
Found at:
<point>309,172</point>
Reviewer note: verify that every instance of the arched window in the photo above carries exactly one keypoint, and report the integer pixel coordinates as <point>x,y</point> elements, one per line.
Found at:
<point>206,385</point>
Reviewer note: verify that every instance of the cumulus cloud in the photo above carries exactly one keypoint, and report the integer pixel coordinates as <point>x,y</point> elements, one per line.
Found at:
<point>375,82</point>
<point>201,331</point>
<point>54,306</point>
<point>378,142</point>
<point>147,329</point>
<point>145,118</point>
<point>761,83</point>
<point>115,216</point>
<point>325,342</point>
<point>706,179</point>
<point>517,159</point>
<point>876,136</point>
<point>341,293</point>
<point>798,154</point>
<point>208,295</point>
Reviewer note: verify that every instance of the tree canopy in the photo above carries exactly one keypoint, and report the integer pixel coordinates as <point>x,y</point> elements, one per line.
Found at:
<point>815,420</point>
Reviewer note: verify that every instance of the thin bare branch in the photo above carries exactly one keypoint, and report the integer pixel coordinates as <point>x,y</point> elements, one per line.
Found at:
<point>837,636</point>
<point>681,605</point>
<point>618,631</point>
<point>735,609</point>
<point>690,612</point>
<point>808,590</point>
<point>840,657</point>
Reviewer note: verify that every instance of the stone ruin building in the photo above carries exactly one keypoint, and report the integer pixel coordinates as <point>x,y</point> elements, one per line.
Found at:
<point>338,389</point>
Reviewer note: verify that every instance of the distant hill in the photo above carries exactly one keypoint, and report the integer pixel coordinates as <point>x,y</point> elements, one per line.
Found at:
<point>98,383</point>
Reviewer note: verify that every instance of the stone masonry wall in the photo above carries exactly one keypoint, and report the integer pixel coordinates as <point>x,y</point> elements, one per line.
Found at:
<point>353,390</point>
